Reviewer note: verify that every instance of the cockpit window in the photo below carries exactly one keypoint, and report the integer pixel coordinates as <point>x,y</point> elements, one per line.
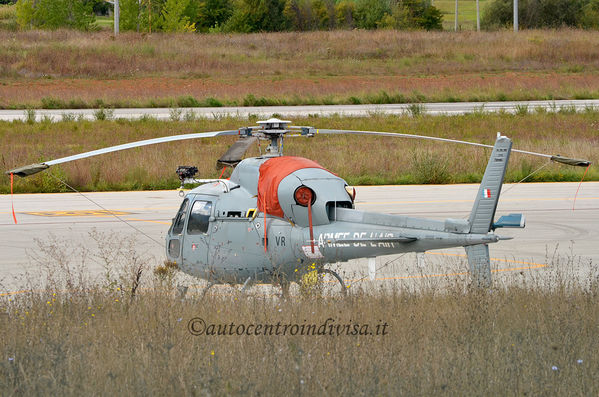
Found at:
<point>199,217</point>
<point>179,220</point>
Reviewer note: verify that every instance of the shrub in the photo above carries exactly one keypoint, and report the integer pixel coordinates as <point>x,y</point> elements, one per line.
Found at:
<point>542,13</point>
<point>54,14</point>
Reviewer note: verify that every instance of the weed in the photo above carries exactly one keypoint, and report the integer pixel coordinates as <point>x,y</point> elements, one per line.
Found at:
<point>53,103</point>
<point>175,114</point>
<point>46,119</point>
<point>30,116</point>
<point>67,117</point>
<point>213,102</point>
<point>188,102</point>
<point>103,114</point>
<point>567,109</point>
<point>416,109</point>
<point>478,111</point>
<point>521,110</point>
<point>430,168</point>
<point>190,115</point>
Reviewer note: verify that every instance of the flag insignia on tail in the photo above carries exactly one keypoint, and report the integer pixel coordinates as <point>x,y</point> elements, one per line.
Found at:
<point>486,193</point>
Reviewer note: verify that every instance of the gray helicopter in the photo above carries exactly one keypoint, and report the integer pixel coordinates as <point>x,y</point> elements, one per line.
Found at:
<point>277,214</point>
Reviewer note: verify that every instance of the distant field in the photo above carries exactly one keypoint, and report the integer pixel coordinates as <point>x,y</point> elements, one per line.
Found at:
<point>65,69</point>
<point>466,13</point>
<point>384,161</point>
<point>105,23</point>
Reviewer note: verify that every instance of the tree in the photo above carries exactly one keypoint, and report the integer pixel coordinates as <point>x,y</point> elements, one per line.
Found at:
<point>212,13</point>
<point>24,12</point>
<point>54,14</point>
<point>345,11</point>
<point>130,15</point>
<point>537,13</point>
<point>370,13</point>
<point>257,16</point>
<point>590,15</point>
<point>173,18</point>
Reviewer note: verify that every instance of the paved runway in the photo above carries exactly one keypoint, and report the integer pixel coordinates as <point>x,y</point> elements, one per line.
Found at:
<point>303,111</point>
<point>555,238</point>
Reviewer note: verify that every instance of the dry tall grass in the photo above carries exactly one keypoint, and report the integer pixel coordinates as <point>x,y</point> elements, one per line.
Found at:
<point>363,53</point>
<point>380,161</point>
<point>319,67</point>
<point>526,340</point>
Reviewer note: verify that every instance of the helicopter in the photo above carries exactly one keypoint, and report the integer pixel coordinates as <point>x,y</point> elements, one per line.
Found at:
<point>277,214</point>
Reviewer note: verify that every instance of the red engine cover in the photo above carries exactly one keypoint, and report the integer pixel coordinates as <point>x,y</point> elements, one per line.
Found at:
<point>272,172</point>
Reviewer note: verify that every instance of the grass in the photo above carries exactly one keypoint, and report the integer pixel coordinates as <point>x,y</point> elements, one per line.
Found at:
<point>75,69</point>
<point>8,17</point>
<point>535,338</point>
<point>466,13</point>
<point>105,22</point>
<point>389,161</point>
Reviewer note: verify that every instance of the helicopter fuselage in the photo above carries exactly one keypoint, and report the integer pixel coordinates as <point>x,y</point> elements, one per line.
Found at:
<point>228,231</point>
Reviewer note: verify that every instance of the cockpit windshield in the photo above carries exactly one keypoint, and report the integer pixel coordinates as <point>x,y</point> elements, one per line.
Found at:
<point>177,226</point>
<point>199,217</point>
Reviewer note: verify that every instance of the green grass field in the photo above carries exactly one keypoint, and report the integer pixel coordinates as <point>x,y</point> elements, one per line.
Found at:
<point>105,23</point>
<point>466,13</point>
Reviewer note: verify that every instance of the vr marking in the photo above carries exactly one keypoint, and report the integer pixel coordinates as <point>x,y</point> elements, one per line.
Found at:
<point>98,213</point>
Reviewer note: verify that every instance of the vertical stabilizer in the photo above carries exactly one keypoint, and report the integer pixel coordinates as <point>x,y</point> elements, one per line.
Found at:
<point>480,264</point>
<point>483,212</point>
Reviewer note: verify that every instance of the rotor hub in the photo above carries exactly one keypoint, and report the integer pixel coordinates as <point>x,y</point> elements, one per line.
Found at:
<point>274,126</point>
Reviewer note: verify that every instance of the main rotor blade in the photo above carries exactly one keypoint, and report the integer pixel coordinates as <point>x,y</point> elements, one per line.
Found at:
<point>35,168</point>
<point>235,153</point>
<point>557,158</point>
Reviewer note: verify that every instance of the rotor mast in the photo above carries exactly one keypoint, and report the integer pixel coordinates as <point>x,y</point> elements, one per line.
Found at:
<point>274,130</point>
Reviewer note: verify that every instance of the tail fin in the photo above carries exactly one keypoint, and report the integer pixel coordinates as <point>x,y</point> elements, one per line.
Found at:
<point>483,211</point>
<point>480,264</point>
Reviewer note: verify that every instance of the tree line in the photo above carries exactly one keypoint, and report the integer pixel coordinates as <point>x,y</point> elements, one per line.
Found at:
<point>534,14</point>
<point>293,15</point>
<point>234,15</point>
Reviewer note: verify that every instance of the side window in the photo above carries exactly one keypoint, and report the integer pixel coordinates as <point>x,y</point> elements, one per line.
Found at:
<point>177,226</point>
<point>199,217</point>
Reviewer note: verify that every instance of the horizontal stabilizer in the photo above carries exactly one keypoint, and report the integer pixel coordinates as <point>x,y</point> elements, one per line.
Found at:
<point>511,220</point>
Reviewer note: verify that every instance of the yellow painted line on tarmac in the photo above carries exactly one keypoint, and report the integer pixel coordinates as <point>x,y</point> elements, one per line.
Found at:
<point>530,266</point>
<point>14,292</point>
<point>147,220</point>
<point>472,200</point>
<point>123,211</point>
<point>493,259</point>
<point>95,213</point>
